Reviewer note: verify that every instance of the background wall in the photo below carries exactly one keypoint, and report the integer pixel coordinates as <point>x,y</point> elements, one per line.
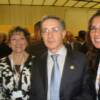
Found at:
<point>26,16</point>
<point>77,19</point>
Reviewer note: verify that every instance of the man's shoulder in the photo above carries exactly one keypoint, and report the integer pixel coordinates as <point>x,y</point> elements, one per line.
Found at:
<point>78,55</point>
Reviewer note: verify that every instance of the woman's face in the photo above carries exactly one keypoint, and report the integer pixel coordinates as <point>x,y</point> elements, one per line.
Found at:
<point>95,32</point>
<point>18,42</point>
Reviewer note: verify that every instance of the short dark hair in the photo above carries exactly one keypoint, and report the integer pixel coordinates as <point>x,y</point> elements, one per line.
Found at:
<point>62,23</point>
<point>82,34</point>
<point>19,29</point>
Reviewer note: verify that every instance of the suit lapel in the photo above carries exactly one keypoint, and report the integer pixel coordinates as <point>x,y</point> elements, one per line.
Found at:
<point>43,71</point>
<point>66,71</point>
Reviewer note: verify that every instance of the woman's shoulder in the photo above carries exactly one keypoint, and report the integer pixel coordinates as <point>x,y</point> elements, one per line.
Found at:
<point>4,62</point>
<point>4,59</point>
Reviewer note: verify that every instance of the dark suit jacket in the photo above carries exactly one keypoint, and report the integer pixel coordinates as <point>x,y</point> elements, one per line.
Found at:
<point>74,78</point>
<point>91,82</point>
<point>93,75</point>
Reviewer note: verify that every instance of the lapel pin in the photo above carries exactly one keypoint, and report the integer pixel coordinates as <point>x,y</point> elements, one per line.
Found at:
<point>72,67</point>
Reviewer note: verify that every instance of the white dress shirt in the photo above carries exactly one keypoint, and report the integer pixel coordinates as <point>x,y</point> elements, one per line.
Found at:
<point>61,60</point>
<point>97,83</point>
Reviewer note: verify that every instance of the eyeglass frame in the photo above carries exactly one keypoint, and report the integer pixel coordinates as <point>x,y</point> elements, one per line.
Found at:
<point>52,30</point>
<point>94,29</point>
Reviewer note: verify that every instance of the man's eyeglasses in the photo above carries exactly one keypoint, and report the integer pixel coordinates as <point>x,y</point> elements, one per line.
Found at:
<point>94,29</point>
<point>52,30</point>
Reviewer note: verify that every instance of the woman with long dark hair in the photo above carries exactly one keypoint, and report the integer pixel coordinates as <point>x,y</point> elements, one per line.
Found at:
<point>93,42</point>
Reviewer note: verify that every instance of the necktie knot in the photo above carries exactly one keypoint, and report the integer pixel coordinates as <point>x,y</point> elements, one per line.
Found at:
<point>54,57</point>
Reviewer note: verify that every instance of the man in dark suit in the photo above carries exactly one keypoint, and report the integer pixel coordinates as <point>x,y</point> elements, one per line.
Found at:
<point>72,66</point>
<point>81,44</point>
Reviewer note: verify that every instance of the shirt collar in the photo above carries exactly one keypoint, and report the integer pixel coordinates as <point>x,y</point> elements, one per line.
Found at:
<point>62,51</point>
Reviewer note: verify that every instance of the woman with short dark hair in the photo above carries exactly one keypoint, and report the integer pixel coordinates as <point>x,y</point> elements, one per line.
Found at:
<point>15,69</point>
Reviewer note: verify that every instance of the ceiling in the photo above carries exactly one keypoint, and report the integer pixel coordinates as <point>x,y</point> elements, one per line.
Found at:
<point>62,3</point>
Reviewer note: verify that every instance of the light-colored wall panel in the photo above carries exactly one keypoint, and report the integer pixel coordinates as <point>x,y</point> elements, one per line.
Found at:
<point>40,11</point>
<point>75,18</point>
<point>25,15</point>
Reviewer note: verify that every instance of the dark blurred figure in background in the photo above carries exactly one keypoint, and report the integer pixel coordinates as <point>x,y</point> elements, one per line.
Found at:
<point>4,48</point>
<point>37,47</point>
<point>81,42</point>
<point>69,40</point>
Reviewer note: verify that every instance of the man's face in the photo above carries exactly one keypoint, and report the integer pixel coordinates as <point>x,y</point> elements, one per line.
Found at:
<point>52,34</point>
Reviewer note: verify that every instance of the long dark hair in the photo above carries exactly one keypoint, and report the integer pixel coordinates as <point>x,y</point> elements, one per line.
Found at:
<point>93,53</point>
